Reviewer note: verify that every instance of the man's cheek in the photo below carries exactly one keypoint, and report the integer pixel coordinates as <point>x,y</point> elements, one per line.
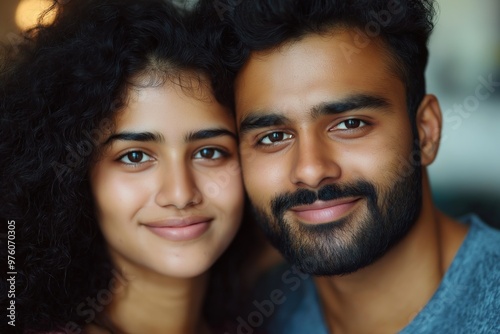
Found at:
<point>253,176</point>
<point>247,154</point>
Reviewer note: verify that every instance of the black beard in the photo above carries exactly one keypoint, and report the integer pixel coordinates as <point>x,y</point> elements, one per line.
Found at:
<point>353,242</point>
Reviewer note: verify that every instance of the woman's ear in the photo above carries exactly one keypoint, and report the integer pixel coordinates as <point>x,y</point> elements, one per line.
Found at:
<point>429,124</point>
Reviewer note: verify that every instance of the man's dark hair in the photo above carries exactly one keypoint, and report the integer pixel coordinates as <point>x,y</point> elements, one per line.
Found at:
<point>243,26</point>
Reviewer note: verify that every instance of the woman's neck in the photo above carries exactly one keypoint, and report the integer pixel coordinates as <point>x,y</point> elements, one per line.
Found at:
<point>150,303</point>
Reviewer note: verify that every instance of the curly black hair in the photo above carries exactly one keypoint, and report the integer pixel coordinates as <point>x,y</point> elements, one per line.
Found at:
<point>59,92</point>
<point>239,27</point>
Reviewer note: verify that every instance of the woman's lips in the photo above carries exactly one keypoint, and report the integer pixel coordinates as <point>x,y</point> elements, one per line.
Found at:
<point>324,211</point>
<point>180,229</point>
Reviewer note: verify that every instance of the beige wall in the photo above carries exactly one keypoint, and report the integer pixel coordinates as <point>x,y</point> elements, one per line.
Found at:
<point>7,24</point>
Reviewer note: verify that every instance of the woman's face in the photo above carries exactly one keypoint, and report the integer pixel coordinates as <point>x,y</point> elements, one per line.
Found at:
<point>167,187</point>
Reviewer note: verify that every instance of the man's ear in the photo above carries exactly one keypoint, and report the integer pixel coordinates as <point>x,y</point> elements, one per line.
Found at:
<point>429,124</point>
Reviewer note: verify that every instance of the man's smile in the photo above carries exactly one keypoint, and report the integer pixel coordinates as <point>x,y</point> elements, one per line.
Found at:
<point>321,212</point>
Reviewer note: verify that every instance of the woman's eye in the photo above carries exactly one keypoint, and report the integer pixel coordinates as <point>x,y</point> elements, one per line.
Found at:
<point>209,153</point>
<point>135,157</point>
<point>350,124</point>
<point>275,137</point>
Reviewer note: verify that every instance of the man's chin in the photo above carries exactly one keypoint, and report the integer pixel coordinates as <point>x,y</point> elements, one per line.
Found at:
<point>334,248</point>
<point>342,246</point>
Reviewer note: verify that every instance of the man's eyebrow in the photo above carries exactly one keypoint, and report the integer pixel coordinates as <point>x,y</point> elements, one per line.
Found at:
<point>208,133</point>
<point>257,120</point>
<point>262,119</point>
<point>135,136</point>
<point>354,102</point>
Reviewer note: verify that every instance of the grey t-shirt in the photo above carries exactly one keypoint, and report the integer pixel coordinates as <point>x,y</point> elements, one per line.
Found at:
<point>467,300</point>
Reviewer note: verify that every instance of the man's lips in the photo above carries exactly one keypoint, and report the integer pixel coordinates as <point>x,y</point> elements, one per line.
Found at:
<point>180,228</point>
<point>324,211</point>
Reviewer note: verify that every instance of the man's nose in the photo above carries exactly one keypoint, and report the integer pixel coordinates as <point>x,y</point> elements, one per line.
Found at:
<point>315,162</point>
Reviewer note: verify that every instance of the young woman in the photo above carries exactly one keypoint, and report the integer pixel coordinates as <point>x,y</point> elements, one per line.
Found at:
<point>120,172</point>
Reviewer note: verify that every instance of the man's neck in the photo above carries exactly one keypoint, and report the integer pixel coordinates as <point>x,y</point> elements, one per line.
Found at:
<point>385,296</point>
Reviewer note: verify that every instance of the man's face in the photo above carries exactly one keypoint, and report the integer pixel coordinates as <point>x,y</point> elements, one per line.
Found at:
<point>325,144</point>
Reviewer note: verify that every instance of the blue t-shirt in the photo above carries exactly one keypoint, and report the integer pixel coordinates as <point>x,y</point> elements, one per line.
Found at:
<point>466,301</point>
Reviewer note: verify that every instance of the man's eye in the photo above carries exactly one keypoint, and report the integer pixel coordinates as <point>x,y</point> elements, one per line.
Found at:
<point>210,153</point>
<point>135,157</point>
<point>274,138</point>
<point>350,124</point>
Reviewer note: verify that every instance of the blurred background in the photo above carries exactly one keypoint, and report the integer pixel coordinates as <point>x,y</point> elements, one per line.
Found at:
<point>463,71</point>
<point>465,55</point>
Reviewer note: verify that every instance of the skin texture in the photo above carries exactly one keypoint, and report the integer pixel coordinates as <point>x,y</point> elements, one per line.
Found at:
<point>300,149</point>
<point>180,174</point>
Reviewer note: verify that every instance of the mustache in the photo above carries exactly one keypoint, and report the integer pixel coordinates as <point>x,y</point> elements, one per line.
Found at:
<point>284,202</point>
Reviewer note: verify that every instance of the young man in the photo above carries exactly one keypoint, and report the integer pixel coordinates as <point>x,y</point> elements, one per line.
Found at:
<point>336,132</point>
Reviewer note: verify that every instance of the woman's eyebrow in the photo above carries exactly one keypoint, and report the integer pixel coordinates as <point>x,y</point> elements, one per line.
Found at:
<point>147,136</point>
<point>208,133</point>
<point>135,136</point>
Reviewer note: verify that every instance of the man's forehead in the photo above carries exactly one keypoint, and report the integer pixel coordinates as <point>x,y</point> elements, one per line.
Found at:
<point>305,59</point>
<point>301,67</point>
